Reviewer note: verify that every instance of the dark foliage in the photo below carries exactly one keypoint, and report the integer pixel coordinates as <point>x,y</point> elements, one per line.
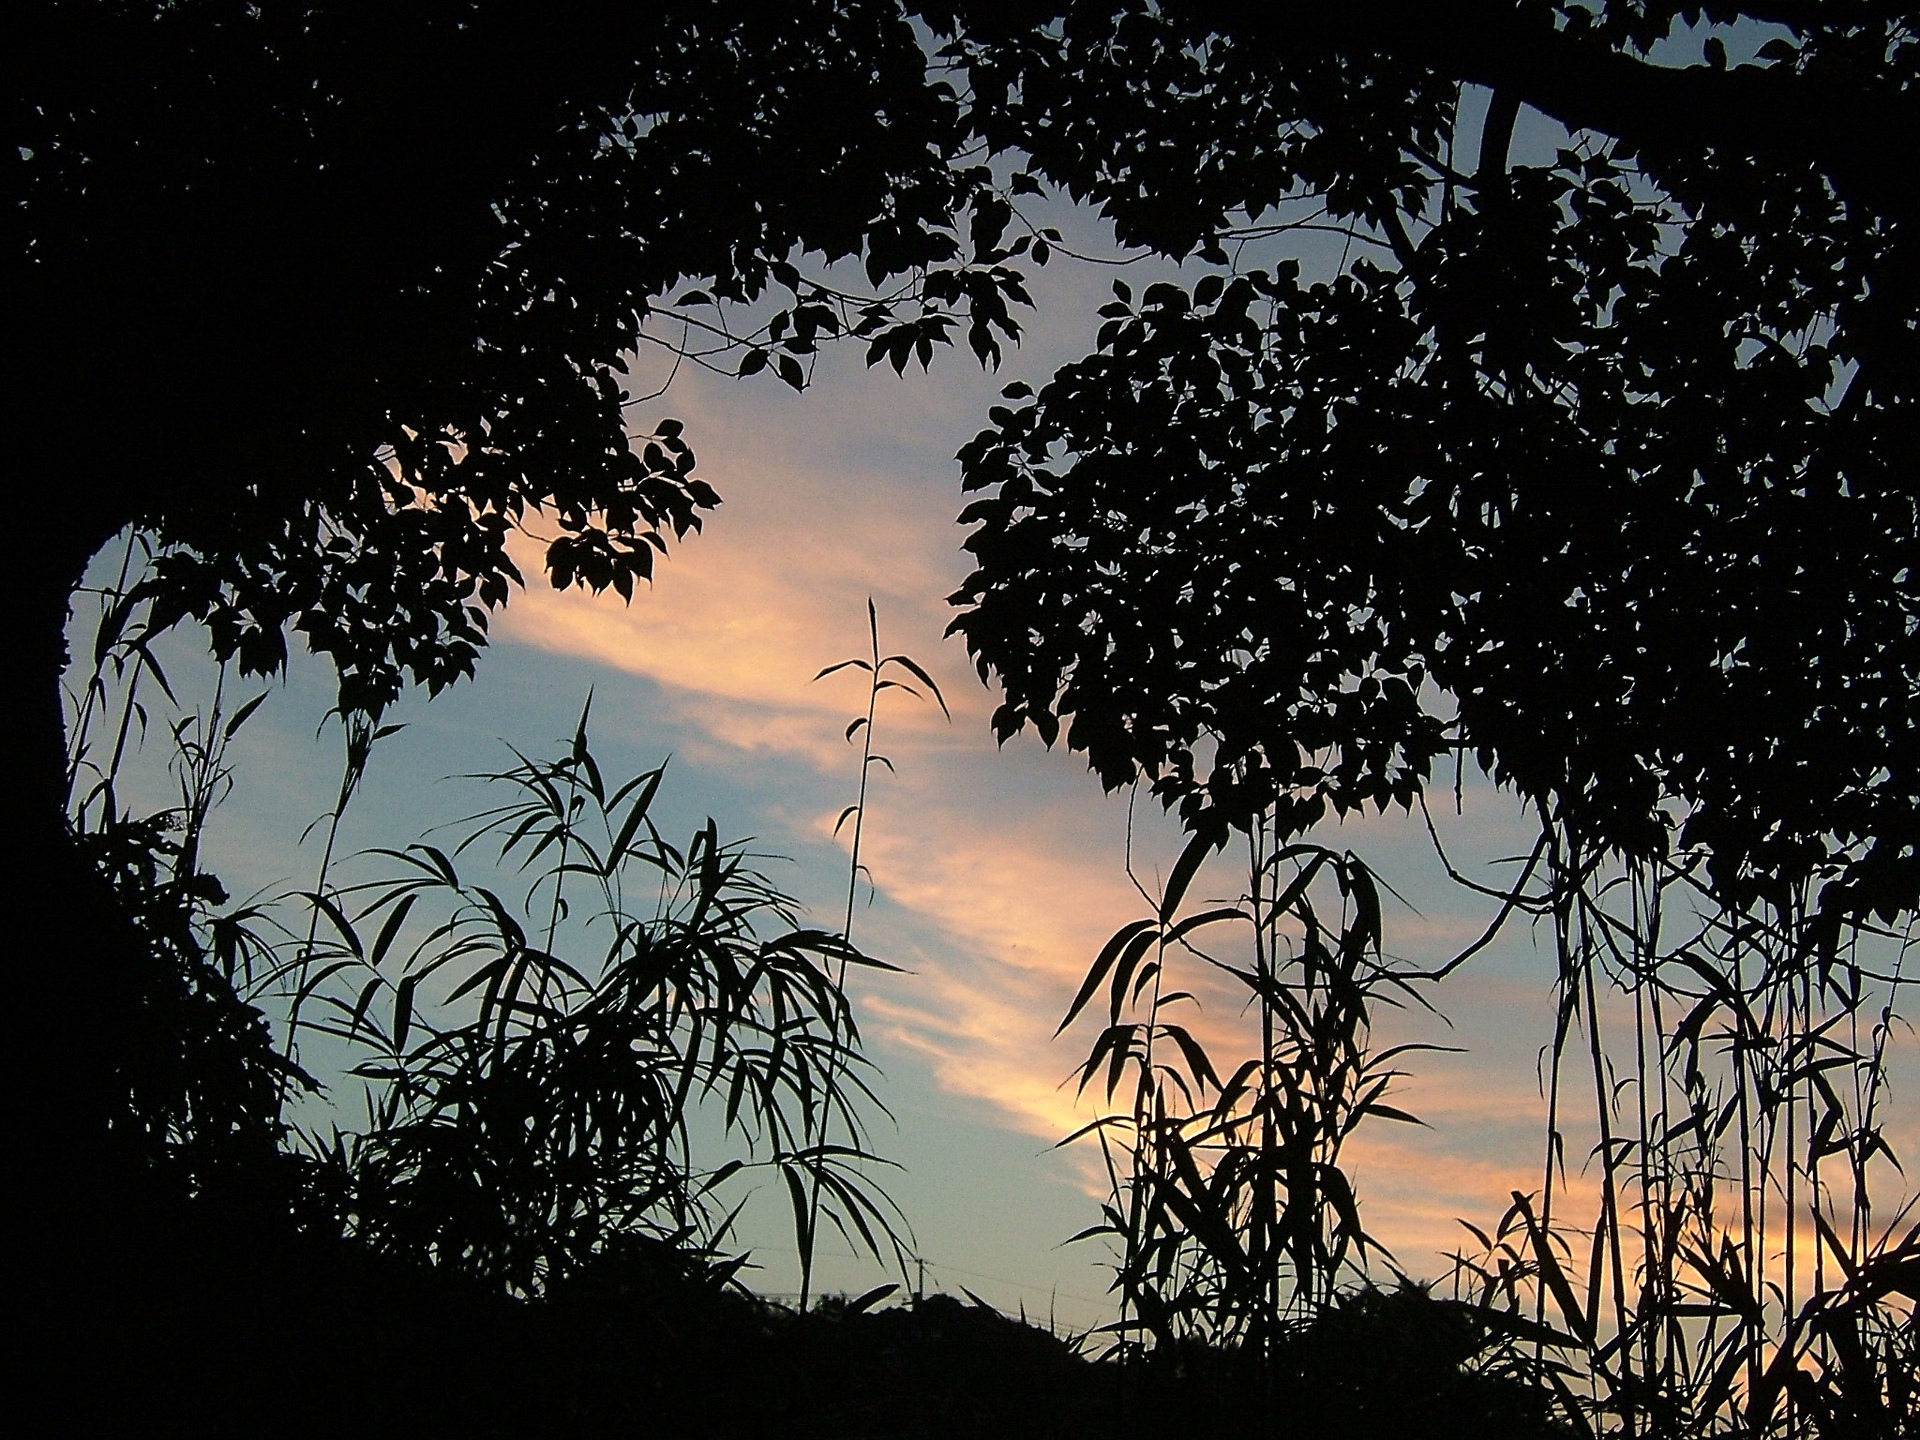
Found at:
<point>1231,1211</point>
<point>647,1348</point>
<point>1597,468</point>
<point>533,1090</point>
<point>359,280</point>
<point>201,1079</point>
<point>330,298</point>
<point>1379,1363</point>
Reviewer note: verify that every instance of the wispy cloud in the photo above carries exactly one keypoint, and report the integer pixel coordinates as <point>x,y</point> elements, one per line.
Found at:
<point>1002,871</point>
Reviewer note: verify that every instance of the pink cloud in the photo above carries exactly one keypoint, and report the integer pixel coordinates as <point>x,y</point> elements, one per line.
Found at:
<point>1003,869</point>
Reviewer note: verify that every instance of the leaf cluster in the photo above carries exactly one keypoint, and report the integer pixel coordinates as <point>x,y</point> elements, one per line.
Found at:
<point>1592,467</point>
<point>532,1118</point>
<point>1229,1208</point>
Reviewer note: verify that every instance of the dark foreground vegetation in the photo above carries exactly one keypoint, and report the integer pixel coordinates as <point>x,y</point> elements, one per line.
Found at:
<point>522,1237</point>
<point>233,1333</point>
<point>1586,457</point>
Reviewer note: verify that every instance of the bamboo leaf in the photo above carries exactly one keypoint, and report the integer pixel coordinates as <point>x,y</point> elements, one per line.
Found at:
<point>865,1301</point>
<point>403,1012</point>
<point>1206,917</point>
<point>395,919</point>
<point>844,664</point>
<point>913,667</point>
<point>1184,869</point>
<point>1571,1310</point>
<point>243,714</point>
<point>1103,963</point>
<point>1388,1112</point>
<point>1198,1064</point>
<point>338,919</point>
<point>636,815</point>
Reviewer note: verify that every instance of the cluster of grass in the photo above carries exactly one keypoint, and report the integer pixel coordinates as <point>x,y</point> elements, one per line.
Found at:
<point>1735,1275</point>
<point>574,1036</point>
<point>578,1040</point>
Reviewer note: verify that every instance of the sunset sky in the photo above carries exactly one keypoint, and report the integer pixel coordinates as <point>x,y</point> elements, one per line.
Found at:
<point>997,873</point>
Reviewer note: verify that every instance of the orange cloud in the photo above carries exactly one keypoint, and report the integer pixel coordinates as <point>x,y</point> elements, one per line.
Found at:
<point>1003,870</point>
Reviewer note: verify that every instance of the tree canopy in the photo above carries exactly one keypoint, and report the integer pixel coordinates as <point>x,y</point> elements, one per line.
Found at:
<point>1592,465</point>
<point>1597,467</point>
<point>1608,449</point>
<point>329,299</point>
<point>340,293</point>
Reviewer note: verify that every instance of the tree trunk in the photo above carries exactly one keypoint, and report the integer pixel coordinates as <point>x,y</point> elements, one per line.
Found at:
<point>83,1220</point>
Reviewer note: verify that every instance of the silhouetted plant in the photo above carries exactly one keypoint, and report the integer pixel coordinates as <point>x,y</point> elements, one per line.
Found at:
<point>537,1118</point>
<point>539,1070</point>
<point>875,667</point>
<point>1729,1277</point>
<point>1598,466</point>
<point>1229,1207</point>
<point>1732,1272</point>
<point>199,1080</point>
<point>1588,464</point>
<point>359,733</point>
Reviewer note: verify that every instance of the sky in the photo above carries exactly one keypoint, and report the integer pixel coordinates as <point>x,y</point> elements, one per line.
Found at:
<point>996,871</point>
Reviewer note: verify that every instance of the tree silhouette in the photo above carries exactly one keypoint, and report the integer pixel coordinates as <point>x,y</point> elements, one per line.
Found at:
<point>331,298</point>
<point>1595,467</point>
<point>1612,451</point>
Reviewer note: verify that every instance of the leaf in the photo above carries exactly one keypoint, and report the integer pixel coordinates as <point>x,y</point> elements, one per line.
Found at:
<point>1208,917</point>
<point>394,921</point>
<point>1476,1232</point>
<point>1842,1254</point>
<point>865,1301</point>
<point>1127,985</point>
<point>1105,1122</point>
<point>243,714</point>
<point>1388,1112</point>
<point>913,668</point>
<point>488,974</point>
<point>1571,1309</point>
<point>802,1211</point>
<point>1184,869</point>
<point>636,813</point>
<point>1109,953</point>
<point>367,993</point>
<point>338,919</point>
<point>403,1012</point>
<point>1198,1063</point>
<point>844,664</point>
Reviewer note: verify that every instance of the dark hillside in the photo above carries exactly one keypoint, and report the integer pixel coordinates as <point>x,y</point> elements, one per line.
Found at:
<point>303,1338</point>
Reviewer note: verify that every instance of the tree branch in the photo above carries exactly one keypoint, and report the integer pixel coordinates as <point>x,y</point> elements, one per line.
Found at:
<point>1856,135</point>
<point>1496,137</point>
